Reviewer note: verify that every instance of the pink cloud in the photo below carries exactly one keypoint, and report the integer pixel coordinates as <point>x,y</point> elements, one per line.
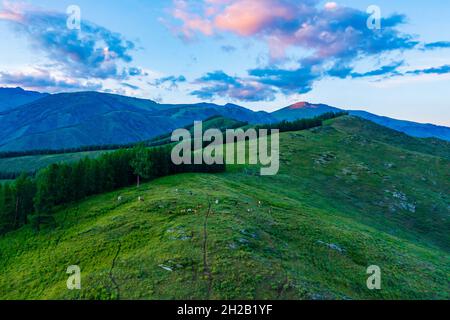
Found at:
<point>331,5</point>
<point>243,17</point>
<point>329,31</point>
<point>332,38</point>
<point>248,17</point>
<point>12,12</point>
<point>191,22</point>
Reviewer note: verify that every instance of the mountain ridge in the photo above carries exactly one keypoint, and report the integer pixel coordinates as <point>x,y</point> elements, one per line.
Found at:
<point>11,98</point>
<point>71,120</point>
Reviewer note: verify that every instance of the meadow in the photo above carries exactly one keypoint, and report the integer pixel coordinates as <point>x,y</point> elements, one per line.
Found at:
<point>347,196</point>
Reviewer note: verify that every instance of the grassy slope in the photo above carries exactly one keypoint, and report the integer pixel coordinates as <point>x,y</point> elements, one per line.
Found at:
<point>334,187</point>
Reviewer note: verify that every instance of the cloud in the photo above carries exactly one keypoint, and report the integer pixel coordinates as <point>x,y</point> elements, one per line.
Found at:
<point>43,81</point>
<point>219,84</point>
<point>249,17</point>
<point>130,86</point>
<point>332,38</point>
<point>287,81</point>
<point>329,32</point>
<point>171,81</point>
<point>390,69</point>
<point>331,5</point>
<point>435,70</point>
<point>437,45</point>
<point>228,48</point>
<point>93,52</point>
<point>191,23</point>
<point>133,71</point>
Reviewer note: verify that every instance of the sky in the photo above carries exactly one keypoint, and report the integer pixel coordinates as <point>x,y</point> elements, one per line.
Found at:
<point>392,59</point>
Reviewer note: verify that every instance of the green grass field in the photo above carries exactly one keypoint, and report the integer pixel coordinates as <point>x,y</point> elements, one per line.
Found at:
<point>347,197</point>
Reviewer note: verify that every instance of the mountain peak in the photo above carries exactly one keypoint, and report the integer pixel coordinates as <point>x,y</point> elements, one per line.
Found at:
<point>17,89</point>
<point>14,97</point>
<point>301,105</point>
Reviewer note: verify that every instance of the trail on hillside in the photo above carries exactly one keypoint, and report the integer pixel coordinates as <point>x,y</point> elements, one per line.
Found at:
<point>63,225</point>
<point>206,268</point>
<point>111,276</point>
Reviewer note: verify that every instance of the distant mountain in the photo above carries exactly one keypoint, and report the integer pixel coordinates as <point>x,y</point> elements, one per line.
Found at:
<point>71,120</point>
<point>303,110</point>
<point>420,130</point>
<point>411,128</point>
<point>13,97</point>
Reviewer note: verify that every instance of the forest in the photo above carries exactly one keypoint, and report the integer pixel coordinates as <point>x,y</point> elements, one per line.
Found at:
<point>33,199</point>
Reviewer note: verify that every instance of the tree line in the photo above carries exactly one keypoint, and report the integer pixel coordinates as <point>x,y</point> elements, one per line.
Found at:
<point>34,199</point>
<point>11,175</point>
<point>302,124</point>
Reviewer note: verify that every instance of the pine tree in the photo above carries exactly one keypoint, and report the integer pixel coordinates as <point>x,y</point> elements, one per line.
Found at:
<point>45,198</point>
<point>79,180</point>
<point>141,163</point>
<point>7,209</point>
<point>25,190</point>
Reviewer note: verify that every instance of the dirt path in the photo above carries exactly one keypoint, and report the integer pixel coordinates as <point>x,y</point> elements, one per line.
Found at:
<point>111,276</point>
<point>206,268</point>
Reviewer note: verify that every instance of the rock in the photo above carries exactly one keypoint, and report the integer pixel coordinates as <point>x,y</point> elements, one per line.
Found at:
<point>248,233</point>
<point>389,165</point>
<point>403,202</point>
<point>179,233</point>
<point>166,267</point>
<point>399,195</point>
<point>324,158</point>
<point>332,246</point>
<point>346,171</point>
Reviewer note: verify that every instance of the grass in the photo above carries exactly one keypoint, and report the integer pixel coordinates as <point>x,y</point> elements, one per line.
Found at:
<point>267,237</point>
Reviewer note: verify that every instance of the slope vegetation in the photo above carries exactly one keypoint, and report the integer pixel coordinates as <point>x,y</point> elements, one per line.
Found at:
<point>346,198</point>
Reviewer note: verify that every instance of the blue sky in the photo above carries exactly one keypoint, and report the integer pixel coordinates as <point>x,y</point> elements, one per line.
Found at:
<point>262,54</point>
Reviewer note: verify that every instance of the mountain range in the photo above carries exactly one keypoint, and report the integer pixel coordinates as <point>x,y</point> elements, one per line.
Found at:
<point>32,120</point>
<point>14,97</point>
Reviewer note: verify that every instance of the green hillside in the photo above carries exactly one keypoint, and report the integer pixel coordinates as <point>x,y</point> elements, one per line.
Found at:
<point>348,196</point>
